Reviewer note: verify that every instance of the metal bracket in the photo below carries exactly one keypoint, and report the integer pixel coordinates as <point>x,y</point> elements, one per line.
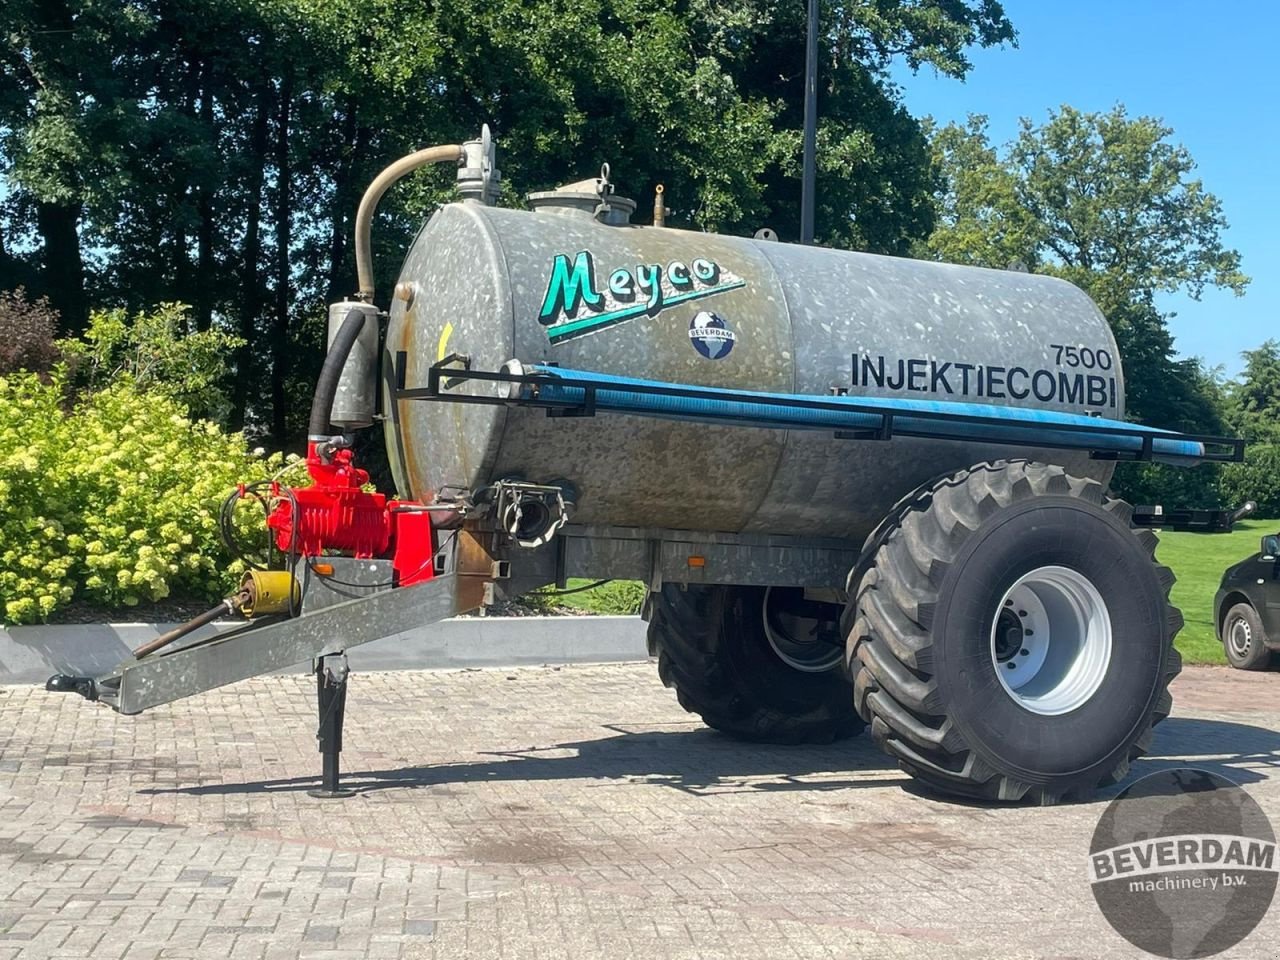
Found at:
<point>604,189</point>
<point>580,400</point>
<point>530,513</point>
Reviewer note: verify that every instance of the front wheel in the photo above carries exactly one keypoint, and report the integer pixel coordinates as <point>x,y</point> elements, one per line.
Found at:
<point>1243,640</point>
<point>1012,637</point>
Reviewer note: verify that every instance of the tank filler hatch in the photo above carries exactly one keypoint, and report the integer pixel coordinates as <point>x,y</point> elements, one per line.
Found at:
<point>593,197</point>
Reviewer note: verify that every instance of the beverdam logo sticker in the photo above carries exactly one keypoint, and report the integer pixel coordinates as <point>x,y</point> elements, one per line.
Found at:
<point>1183,864</point>
<point>711,336</point>
<point>576,304</point>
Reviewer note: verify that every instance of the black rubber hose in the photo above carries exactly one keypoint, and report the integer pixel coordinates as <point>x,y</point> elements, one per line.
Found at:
<point>331,373</point>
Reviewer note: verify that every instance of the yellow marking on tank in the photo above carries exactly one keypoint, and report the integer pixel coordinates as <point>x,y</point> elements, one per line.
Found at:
<point>445,334</point>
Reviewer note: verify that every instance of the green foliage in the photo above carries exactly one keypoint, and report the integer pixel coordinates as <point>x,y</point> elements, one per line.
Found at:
<point>621,598</point>
<point>1156,483</point>
<point>35,558</point>
<point>1105,199</point>
<point>1252,409</point>
<point>214,153</point>
<point>1258,479</point>
<point>617,597</point>
<point>113,499</point>
<point>27,329</point>
<point>1192,399</point>
<point>1255,403</point>
<point>152,351</point>
<point>1107,202</point>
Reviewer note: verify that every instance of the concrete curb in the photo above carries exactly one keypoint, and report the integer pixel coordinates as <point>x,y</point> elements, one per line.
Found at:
<point>33,654</point>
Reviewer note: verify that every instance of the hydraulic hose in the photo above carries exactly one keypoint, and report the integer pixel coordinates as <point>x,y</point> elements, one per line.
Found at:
<point>331,373</point>
<point>369,202</point>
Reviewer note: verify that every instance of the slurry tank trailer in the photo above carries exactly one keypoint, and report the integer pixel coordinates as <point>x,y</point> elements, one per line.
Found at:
<point>862,490</point>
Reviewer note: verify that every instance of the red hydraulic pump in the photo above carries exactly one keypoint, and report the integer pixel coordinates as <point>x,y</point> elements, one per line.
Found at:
<point>335,513</point>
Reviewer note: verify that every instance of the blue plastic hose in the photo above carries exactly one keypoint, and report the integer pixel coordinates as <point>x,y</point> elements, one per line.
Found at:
<point>1021,426</point>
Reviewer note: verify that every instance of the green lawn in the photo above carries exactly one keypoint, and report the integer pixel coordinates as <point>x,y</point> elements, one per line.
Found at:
<point>616,598</point>
<point>1198,559</point>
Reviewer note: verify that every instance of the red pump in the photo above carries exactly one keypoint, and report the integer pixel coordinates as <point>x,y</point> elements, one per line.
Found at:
<point>335,513</point>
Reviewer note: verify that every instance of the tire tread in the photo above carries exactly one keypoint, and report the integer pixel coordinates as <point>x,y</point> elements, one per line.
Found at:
<point>889,645</point>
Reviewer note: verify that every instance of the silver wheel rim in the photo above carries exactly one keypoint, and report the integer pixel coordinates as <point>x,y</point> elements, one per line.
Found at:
<point>1051,640</point>
<point>795,639</point>
<point>1240,637</point>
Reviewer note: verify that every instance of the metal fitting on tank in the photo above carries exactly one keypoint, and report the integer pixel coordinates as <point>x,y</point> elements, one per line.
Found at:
<point>405,291</point>
<point>594,198</point>
<point>356,398</point>
<point>479,178</point>
<point>532,513</point>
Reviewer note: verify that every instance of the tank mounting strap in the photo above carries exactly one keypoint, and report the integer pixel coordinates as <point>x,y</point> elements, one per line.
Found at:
<point>571,393</point>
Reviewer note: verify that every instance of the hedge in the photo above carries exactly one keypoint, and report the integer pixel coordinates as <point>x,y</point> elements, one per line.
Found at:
<point>111,498</point>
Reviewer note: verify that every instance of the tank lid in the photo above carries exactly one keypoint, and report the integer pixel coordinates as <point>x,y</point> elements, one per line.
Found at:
<point>593,198</point>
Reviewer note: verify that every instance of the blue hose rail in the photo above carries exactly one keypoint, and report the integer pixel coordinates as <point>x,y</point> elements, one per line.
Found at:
<point>579,393</point>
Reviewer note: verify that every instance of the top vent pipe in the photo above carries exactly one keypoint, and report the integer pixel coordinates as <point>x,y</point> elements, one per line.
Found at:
<point>449,153</point>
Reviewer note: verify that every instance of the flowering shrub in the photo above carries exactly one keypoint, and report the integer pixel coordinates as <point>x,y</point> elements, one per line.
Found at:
<point>154,352</point>
<point>113,500</point>
<point>27,329</point>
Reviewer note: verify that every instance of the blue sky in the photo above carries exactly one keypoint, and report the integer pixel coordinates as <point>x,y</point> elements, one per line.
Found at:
<point>1207,69</point>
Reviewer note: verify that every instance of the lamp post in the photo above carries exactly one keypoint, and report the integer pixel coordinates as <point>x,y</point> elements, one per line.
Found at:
<point>808,174</point>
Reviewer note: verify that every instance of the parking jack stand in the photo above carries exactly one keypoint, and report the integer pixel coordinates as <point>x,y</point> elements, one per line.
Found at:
<point>331,695</point>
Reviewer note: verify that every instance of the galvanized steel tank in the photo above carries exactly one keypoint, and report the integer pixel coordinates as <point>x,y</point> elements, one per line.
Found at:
<point>558,285</point>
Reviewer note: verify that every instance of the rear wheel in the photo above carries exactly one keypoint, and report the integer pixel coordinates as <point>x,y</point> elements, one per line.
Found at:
<point>1012,636</point>
<point>758,663</point>
<point>1243,639</point>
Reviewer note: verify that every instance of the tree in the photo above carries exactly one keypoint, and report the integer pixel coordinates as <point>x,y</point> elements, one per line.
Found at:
<point>1095,196</point>
<point>60,108</point>
<point>213,153</point>
<point>1255,402</point>
<point>1108,203</point>
<point>1253,410</point>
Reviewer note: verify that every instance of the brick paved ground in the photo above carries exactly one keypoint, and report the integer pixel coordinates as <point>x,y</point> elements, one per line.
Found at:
<point>539,813</point>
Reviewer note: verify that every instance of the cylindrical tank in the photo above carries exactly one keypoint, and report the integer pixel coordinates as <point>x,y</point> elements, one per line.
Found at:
<point>557,285</point>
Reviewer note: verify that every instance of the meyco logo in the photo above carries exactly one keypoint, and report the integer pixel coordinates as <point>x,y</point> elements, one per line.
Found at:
<point>576,303</point>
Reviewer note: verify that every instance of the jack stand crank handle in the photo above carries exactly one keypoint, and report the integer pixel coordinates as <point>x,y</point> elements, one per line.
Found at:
<point>331,697</point>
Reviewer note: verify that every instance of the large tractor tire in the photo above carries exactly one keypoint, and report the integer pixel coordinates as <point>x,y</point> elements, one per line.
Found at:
<point>1012,636</point>
<point>757,663</point>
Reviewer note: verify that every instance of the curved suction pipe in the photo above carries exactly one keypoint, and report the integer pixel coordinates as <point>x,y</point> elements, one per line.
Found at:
<point>449,153</point>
